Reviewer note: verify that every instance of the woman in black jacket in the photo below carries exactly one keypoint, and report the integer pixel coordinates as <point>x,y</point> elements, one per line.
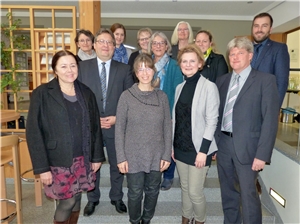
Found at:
<point>64,137</point>
<point>215,64</point>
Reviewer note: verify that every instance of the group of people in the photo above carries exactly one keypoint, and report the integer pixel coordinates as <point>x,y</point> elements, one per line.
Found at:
<point>170,104</point>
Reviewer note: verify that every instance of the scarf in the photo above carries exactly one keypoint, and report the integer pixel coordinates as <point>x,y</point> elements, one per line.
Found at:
<point>120,54</point>
<point>85,128</point>
<point>207,53</point>
<point>161,70</point>
<point>84,56</point>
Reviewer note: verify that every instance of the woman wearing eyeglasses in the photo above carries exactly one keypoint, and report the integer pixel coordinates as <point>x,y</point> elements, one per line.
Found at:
<point>143,37</point>
<point>121,53</point>
<point>215,64</point>
<point>182,36</point>
<point>84,40</point>
<point>168,75</point>
<point>143,140</point>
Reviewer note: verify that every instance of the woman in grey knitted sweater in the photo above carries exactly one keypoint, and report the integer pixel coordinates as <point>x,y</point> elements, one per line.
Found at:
<point>143,140</point>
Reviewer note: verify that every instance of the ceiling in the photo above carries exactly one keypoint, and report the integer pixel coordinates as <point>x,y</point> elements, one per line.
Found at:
<point>164,14</point>
<point>216,10</point>
<point>171,9</point>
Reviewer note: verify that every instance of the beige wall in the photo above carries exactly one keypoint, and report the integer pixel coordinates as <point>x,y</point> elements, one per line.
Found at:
<point>223,31</point>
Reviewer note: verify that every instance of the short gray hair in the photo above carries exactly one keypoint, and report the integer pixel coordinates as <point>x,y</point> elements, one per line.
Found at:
<point>162,35</point>
<point>240,42</point>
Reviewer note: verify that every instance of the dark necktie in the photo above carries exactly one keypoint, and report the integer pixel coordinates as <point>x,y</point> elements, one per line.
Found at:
<point>103,83</point>
<point>233,93</point>
<point>255,54</point>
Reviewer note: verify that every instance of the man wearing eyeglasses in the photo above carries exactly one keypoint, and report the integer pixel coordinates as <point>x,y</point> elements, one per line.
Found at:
<point>107,79</point>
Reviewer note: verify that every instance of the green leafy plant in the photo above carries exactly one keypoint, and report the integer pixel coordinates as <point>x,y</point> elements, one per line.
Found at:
<point>18,41</point>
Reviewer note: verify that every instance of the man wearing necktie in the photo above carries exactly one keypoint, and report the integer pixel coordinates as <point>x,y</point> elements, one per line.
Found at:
<point>246,132</point>
<point>107,79</point>
<point>270,56</point>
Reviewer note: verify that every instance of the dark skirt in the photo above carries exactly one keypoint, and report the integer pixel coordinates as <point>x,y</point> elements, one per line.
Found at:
<point>69,181</point>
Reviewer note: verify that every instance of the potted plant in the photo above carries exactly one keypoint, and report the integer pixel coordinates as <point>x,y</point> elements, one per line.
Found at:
<point>9,41</point>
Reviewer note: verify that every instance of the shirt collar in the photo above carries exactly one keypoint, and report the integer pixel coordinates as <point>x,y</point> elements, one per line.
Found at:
<point>262,43</point>
<point>107,63</point>
<point>243,74</point>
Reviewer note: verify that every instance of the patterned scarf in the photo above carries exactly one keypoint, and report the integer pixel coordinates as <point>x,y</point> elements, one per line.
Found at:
<point>120,54</point>
<point>84,56</point>
<point>161,69</point>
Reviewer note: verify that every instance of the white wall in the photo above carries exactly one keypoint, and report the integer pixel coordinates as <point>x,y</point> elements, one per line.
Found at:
<point>283,175</point>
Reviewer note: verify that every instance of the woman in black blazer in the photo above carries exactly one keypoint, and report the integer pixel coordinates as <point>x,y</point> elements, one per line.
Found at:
<point>143,37</point>
<point>215,64</point>
<point>64,137</point>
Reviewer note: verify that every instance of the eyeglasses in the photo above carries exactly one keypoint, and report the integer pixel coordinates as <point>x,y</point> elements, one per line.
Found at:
<point>154,43</point>
<point>104,42</point>
<point>185,29</point>
<point>144,39</point>
<point>147,70</point>
<point>85,41</point>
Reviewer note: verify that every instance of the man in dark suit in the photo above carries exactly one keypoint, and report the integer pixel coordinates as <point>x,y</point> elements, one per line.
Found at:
<point>270,56</point>
<point>246,132</point>
<point>107,79</point>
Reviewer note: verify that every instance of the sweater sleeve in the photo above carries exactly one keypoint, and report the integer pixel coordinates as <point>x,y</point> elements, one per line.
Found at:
<point>167,129</point>
<point>212,102</point>
<point>120,130</point>
<point>205,145</point>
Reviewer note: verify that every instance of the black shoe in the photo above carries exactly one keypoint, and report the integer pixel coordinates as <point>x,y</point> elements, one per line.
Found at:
<point>90,208</point>
<point>120,206</point>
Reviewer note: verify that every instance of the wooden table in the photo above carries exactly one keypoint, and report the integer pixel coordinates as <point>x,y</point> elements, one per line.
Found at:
<point>9,115</point>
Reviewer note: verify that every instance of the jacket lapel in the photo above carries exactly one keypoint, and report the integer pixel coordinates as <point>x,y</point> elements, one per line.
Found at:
<point>223,90</point>
<point>112,74</point>
<point>265,49</point>
<point>55,92</point>
<point>246,85</point>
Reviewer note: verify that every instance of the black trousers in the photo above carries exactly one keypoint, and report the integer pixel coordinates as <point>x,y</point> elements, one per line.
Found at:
<point>139,183</point>
<point>116,178</point>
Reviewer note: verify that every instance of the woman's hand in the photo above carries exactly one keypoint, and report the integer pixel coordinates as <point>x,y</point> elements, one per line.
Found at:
<point>200,160</point>
<point>46,178</point>
<point>96,167</point>
<point>123,167</point>
<point>164,165</point>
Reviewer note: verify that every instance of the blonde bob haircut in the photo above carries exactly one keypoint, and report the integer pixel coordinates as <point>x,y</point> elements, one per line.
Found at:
<point>174,38</point>
<point>191,48</point>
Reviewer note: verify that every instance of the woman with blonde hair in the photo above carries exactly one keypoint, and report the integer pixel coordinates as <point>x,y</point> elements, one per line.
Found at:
<point>215,64</point>
<point>195,117</point>
<point>143,37</point>
<point>182,36</point>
